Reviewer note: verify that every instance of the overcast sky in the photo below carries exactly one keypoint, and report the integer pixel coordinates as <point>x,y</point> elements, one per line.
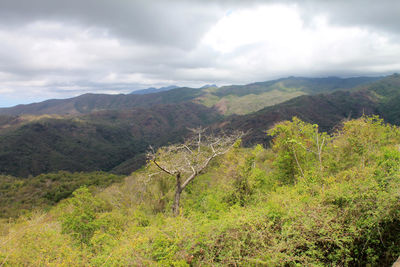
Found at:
<point>60,49</point>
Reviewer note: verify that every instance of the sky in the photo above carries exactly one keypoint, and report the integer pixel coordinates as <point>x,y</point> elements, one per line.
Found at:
<point>60,49</point>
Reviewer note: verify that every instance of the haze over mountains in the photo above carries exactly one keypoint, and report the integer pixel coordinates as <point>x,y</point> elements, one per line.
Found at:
<point>112,132</point>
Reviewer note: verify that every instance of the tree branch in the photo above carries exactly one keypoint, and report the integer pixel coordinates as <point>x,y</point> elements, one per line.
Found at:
<point>162,168</point>
<point>298,164</point>
<point>188,180</point>
<point>187,148</point>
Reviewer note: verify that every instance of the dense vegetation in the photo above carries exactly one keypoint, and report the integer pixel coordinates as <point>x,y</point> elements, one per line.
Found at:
<point>106,140</point>
<point>18,196</point>
<point>327,110</point>
<point>312,199</point>
<point>244,99</point>
<point>88,103</point>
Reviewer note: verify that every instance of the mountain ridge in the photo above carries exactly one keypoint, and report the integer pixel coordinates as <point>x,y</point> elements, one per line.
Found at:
<point>152,90</point>
<point>234,99</point>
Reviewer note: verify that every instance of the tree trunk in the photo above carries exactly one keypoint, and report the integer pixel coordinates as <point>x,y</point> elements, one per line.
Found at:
<point>175,206</point>
<point>178,191</point>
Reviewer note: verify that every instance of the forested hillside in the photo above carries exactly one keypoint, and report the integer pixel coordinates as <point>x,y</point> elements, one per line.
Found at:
<point>108,140</point>
<point>312,199</point>
<point>245,99</point>
<point>380,97</point>
<point>94,102</point>
<point>327,110</point>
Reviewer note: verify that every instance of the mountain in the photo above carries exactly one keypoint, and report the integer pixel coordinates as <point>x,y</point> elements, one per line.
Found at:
<point>386,92</point>
<point>87,103</point>
<point>208,86</point>
<point>244,99</point>
<point>381,97</point>
<point>326,110</point>
<point>152,90</point>
<point>104,140</point>
<point>228,100</point>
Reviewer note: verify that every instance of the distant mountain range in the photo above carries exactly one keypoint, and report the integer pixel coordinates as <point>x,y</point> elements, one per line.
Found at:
<point>244,99</point>
<point>152,90</point>
<point>112,132</point>
<point>208,86</point>
<point>235,99</point>
<point>88,103</point>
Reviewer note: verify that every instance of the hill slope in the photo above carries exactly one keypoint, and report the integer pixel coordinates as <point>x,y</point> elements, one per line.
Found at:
<point>387,94</point>
<point>235,99</point>
<point>98,141</point>
<point>381,97</point>
<point>152,90</point>
<point>326,110</point>
<point>244,99</point>
<point>87,103</point>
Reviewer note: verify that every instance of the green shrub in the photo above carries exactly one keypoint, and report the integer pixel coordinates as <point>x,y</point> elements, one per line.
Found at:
<point>79,218</point>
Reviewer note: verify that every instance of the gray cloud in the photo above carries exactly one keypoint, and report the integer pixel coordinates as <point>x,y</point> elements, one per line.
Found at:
<point>55,48</point>
<point>175,23</point>
<point>381,15</point>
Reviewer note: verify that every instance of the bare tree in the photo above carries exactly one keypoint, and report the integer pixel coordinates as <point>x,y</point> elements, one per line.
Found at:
<point>186,161</point>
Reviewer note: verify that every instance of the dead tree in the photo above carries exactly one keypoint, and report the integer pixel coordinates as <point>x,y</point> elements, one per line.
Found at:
<point>186,161</point>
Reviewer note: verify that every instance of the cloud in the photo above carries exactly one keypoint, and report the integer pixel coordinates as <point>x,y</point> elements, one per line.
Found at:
<point>56,49</point>
<point>376,15</point>
<point>274,40</point>
<point>174,23</point>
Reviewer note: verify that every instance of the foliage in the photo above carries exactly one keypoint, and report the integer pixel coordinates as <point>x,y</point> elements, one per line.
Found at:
<point>18,196</point>
<point>103,140</point>
<point>80,218</point>
<point>290,84</point>
<point>298,147</point>
<point>342,209</point>
<point>245,99</point>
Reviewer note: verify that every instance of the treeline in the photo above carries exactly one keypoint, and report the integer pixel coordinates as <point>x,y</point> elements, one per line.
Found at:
<point>23,195</point>
<point>312,199</point>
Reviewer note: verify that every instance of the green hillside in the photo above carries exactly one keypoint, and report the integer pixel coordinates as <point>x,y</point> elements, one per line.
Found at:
<point>328,110</point>
<point>88,103</point>
<point>312,199</point>
<point>387,93</point>
<point>19,195</point>
<point>244,99</point>
<point>98,141</point>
